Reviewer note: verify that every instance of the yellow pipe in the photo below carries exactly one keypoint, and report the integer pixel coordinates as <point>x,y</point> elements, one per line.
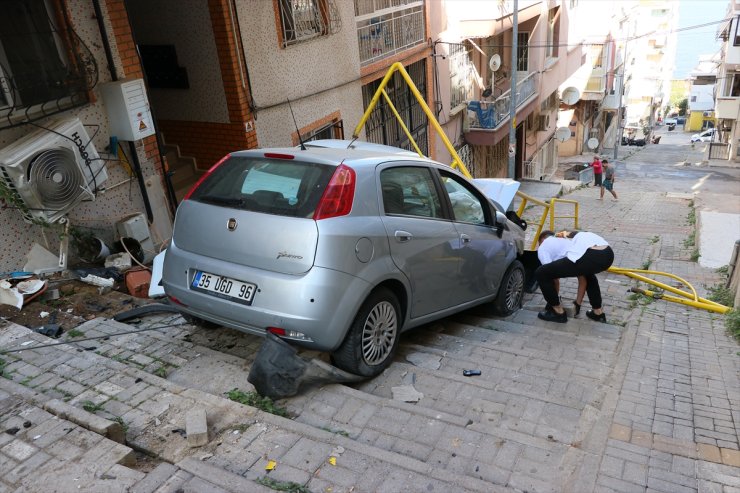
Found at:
<point>711,306</point>
<point>400,121</point>
<point>633,274</point>
<point>398,67</point>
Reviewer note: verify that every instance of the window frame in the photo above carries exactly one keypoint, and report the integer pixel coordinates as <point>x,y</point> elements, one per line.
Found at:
<point>436,195</point>
<point>64,85</point>
<point>522,52</point>
<point>319,23</point>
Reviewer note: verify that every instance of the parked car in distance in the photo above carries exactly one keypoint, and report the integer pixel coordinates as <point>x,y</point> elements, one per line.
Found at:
<point>339,248</point>
<point>705,136</point>
<point>670,121</point>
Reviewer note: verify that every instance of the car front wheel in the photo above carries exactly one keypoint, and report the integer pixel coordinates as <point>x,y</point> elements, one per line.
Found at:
<point>371,341</point>
<point>511,291</point>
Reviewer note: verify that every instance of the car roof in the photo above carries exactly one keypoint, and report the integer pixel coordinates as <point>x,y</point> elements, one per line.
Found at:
<point>354,155</point>
<point>358,144</point>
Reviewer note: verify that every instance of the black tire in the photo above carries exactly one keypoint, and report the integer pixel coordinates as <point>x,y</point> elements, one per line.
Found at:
<point>372,339</point>
<point>510,293</point>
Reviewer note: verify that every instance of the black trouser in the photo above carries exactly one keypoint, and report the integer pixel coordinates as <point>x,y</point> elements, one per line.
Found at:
<point>591,263</point>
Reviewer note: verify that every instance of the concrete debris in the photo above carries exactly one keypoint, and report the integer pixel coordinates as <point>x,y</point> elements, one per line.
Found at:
<point>196,427</point>
<point>97,281</point>
<point>406,393</point>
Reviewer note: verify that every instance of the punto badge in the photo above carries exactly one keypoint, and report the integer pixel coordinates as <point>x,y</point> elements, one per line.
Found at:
<point>231,225</point>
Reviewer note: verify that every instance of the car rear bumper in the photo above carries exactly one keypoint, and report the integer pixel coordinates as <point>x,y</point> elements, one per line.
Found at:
<point>320,303</point>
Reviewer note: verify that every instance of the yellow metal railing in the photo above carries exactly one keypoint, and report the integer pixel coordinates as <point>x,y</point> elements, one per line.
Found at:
<point>548,211</point>
<point>690,299</point>
<point>398,67</point>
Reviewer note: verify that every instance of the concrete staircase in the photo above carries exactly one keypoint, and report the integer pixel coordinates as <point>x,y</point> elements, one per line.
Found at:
<point>184,169</point>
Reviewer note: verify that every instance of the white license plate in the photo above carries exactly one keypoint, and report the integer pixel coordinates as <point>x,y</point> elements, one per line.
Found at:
<point>224,287</point>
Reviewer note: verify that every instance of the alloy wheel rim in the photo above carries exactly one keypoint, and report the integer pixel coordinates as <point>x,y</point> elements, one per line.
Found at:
<point>514,289</point>
<point>379,333</point>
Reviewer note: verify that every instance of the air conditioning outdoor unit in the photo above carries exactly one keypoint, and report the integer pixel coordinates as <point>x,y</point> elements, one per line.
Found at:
<point>543,121</point>
<point>51,170</point>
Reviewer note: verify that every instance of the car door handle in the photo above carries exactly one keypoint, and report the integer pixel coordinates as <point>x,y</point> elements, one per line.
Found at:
<point>403,236</point>
<point>464,238</point>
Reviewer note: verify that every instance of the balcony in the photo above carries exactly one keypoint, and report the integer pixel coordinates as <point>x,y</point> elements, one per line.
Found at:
<point>726,108</point>
<point>596,85</point>
<point>490,115</point>
<point>387,27</point>
<point>611,102</point>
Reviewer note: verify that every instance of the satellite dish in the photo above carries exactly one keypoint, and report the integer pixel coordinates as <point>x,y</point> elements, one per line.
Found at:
<point>592,143</point>
<point>570,96</point>
<point>494,63</point>
<point>562,134</point>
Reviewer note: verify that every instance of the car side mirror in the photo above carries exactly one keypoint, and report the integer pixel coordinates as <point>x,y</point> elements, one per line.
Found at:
<point>500,223</point>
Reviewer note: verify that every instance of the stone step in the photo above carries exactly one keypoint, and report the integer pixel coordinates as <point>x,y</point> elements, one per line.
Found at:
<point>243,440</point>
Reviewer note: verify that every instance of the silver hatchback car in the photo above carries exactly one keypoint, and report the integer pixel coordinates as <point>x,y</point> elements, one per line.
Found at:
<point>339,249</point>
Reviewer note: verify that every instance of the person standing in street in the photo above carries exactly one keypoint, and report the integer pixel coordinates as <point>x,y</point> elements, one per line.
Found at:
<point>598,170</point>
<point>571,254</point>
<point>608,183</point>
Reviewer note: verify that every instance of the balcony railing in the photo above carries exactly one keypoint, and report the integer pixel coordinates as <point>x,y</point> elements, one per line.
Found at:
<point>491,114</point>
<point>387,31</point>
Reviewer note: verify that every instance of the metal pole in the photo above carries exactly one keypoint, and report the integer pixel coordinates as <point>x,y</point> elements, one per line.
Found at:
<point>512,91</point>
<point>618,139</point>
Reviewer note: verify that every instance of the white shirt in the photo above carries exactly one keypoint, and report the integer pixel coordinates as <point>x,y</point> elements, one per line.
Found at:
<point>554,248</point>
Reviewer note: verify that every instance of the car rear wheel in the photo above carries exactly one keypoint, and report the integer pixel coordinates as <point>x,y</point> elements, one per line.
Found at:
<point>510,293</point>
<point>371,341</point>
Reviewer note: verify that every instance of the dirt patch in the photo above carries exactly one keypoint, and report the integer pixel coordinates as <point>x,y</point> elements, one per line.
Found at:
<point>77,303</point>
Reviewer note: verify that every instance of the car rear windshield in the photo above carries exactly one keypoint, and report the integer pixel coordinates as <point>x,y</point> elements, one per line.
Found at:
<point>274,186</point>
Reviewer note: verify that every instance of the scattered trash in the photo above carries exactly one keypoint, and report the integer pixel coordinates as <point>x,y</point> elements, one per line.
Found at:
<point>155,286</point>
<point>333,461</point>
<point>278,371</point>
<point>97,281</point>
<point>206,456</point>
<point>42,261</point>
<point>118,261</point>
<point>471,373</point>
<point>180,432</point>
<point>52,329</point>
<point>270,465</point>
<point>13,430</point>
<point>137,282</point>
<point>9,295</point>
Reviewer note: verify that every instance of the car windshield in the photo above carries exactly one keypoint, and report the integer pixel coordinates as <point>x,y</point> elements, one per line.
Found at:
<point>274,186</point>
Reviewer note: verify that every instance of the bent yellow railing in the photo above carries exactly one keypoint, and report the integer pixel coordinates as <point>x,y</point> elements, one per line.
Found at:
<point>689,299</point>
<point>398,67</point>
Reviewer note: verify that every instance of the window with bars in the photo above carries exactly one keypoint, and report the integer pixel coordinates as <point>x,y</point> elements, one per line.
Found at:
<point>462,72</point>
<point>382,127</point>
<point>44,67</point>
<point>553,26</point>
<point>332,130</point>
<point>302,20</point>
<point>522,52</point>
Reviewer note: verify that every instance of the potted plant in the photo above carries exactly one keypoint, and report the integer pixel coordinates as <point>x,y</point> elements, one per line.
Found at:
<point>88,246</point>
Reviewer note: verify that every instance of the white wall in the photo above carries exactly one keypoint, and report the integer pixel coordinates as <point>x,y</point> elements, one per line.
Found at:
<point>186,24</point>
<point>319,76</point>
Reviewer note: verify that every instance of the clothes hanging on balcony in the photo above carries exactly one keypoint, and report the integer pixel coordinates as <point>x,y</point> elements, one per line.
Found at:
<point>486,113</point>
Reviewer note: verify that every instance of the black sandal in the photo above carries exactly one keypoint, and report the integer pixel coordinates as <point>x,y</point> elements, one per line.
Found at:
<point>577,308</point>
<point>597,318</point>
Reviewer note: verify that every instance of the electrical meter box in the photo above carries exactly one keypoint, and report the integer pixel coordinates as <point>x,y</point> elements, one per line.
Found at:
<point>126,103</point>
<point>136,227</point>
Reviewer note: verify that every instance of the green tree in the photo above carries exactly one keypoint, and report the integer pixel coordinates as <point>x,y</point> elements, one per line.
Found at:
<point>683,105</point>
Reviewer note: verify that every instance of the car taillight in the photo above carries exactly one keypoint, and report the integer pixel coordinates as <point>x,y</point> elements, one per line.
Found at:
<point>206,175</point>
<point>338,196</point>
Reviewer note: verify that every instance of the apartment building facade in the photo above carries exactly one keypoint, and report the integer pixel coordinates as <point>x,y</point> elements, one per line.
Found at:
<point>727,100</point>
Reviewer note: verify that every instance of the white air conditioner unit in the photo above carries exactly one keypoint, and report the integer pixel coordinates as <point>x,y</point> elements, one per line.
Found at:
<point>543,122</point>
<point>51,170</point>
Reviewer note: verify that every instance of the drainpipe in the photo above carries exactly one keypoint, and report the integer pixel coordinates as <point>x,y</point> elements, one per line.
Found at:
<point>114,76</point>
<point>512,92</point>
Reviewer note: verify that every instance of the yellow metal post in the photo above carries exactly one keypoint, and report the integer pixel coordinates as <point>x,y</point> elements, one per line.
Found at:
<point>398,67</point>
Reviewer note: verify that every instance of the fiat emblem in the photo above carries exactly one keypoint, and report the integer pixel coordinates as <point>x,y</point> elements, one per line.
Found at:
<point>231,225</point>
